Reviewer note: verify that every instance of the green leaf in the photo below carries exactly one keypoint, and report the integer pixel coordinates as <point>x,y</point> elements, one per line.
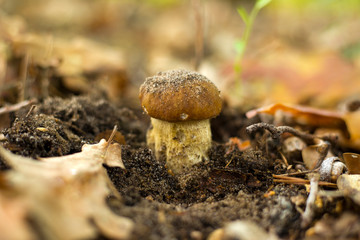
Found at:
<point>261,3</point>
<point>243,14</point>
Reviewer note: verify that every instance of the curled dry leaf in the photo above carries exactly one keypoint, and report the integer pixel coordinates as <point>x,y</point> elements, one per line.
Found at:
<point>331,168</point>
<point>64,193</point>
<point>302,115</point>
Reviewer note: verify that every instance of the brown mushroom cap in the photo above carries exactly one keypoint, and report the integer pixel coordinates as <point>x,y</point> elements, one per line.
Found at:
<point>180,95</point>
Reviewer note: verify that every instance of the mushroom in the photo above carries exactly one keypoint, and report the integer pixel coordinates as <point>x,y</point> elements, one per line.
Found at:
<point>180,104</point>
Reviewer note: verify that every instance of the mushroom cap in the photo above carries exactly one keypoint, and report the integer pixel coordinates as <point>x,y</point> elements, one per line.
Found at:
<point>180,95</point>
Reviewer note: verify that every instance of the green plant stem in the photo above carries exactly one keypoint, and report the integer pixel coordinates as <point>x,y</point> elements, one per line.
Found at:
<point>245,40</point>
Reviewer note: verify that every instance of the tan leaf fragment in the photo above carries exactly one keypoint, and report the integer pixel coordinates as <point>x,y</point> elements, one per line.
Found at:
<point>241,229</point>
<point>349,185</point>
<point>13,224</point>
<point>312,154</point>
<point>113,156</point>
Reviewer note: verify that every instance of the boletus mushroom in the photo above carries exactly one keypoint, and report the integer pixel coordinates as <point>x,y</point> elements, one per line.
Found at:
<point>180,104</point>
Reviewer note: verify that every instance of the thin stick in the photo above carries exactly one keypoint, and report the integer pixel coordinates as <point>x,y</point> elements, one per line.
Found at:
<point>30,111</point>
<point>2,77</point>
<point>23,78</point>
<point>199,37</point>
<point>284,159</point>
<point>45,73</point>
<point>309,213</point>
<point>112,134</point>
<point>15,107</point>
<point>110,139</point>
<point>298,173</point>
<point>300,181</point>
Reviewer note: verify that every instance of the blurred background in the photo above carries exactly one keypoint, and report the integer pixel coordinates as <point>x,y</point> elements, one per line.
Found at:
<point>300,51</point>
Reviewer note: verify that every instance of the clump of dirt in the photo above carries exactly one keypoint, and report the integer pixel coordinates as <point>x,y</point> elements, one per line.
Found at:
<point>89,117</point>
<point>58,127</point>
<point>40,135</point>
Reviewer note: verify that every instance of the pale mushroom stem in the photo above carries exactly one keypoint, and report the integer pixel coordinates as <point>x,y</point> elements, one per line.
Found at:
<point>182,144</point>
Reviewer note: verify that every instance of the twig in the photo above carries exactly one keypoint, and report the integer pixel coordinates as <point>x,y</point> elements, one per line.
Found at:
<point>308,215</point>
<point>45,71</point>
<point>284,159</point>
<point>112,134</point>
<point>2,77</point>
<point>199,37</point>
<point>276,132</point>
<point>298,173</point>
<point>110,138</point>
<point>30,111</point>
<point>45,82</point>
<point>300,181</point>
<point>17,106</point>
<point>23,78</point>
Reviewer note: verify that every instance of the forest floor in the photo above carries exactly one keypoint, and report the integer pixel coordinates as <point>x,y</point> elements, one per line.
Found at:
<point>233,185</point>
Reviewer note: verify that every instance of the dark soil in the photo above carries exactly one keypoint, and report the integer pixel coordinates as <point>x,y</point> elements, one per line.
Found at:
<point>232,185</point>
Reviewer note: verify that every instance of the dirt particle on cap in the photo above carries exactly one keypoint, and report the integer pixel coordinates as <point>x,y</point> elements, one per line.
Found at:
<point>184,116</point>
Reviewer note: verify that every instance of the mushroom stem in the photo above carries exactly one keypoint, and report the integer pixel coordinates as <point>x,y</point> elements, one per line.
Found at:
<point>182,144</point>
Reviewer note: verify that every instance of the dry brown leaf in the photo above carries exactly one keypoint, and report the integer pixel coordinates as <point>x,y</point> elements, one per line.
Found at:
<point>305,116</point>
<point>76,61</point>
<point>65,193</point>
<point>352,161</point>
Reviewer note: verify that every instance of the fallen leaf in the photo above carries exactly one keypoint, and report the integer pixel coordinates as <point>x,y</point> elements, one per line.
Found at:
<point>13,218</point>
<point>352,161</point>
<point>65,193</point>
<point>352,120</point>
<point>303,116</point>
